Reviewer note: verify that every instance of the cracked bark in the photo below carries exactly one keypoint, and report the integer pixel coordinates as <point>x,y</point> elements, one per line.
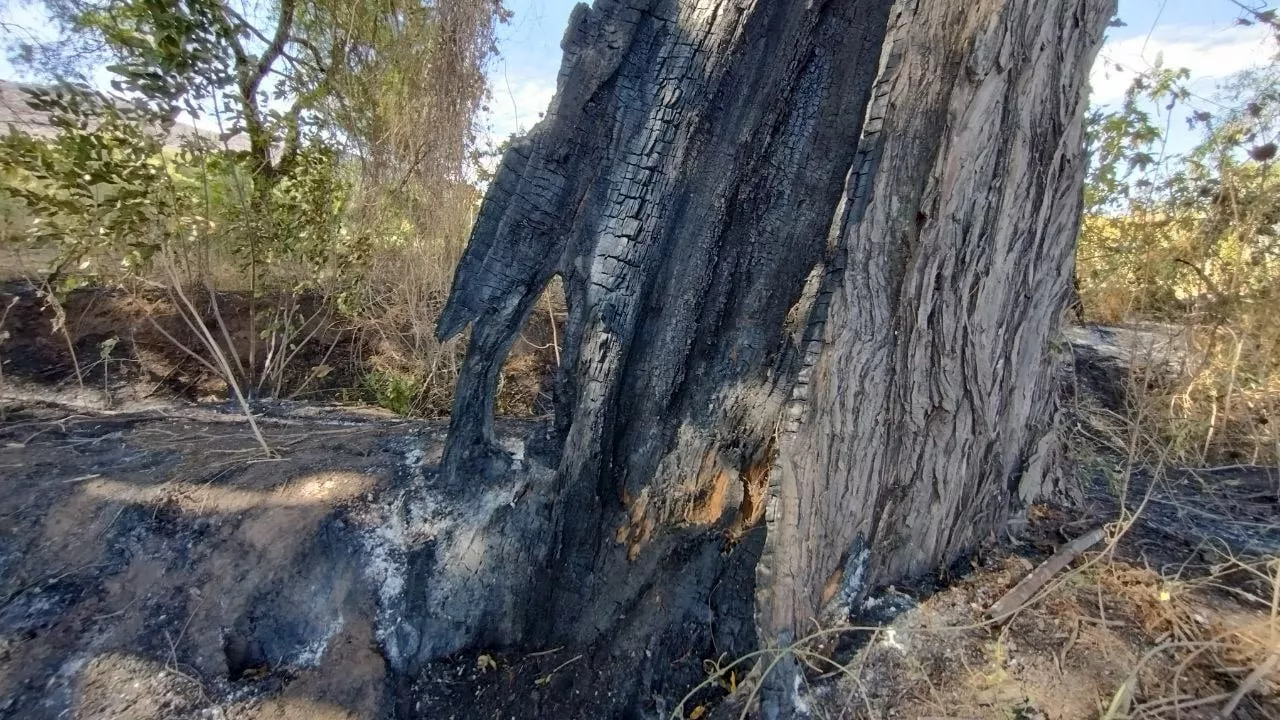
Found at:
<point>813,255</point>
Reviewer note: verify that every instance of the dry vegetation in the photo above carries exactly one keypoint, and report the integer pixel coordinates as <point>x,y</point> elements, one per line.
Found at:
<point>1175,441</point>
<point>311,264</point>
<point>1176,614</point>
<point>184,270</point>
<point>1189,245</point>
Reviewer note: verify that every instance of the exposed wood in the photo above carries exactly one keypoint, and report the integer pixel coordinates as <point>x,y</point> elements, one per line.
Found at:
<point>682,184</point>
<point>1028,586</point>
<point>813,255</point>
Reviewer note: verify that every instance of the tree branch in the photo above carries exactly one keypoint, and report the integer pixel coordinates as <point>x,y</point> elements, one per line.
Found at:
<point>292,137</point>
<point>1210,285</point>
<point>254,31</point>
<point>276,47</point>
<point>229,19</point>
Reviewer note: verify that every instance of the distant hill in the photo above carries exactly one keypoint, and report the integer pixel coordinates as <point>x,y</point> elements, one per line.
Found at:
<point>15,111</point>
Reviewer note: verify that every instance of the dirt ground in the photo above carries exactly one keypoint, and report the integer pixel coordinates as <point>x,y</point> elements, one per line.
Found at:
<point>154,565</point>
<point>1146,625</point>
<point>152,568</point>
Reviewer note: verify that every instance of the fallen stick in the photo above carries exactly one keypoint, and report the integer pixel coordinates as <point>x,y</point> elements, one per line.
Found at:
<point>1013,600</point>
<point>1249,684</point>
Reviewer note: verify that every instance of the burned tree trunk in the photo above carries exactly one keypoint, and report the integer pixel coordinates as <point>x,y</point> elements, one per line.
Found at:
<point>813,254</point>
<point>925,415</point>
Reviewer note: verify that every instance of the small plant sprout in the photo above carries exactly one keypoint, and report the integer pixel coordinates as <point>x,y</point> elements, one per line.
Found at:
<point>104,354</point>
<point>4,339</point>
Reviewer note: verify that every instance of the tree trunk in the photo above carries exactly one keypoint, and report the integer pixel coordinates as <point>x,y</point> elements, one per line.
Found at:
<point>813,255</point>
<point>926,416</point>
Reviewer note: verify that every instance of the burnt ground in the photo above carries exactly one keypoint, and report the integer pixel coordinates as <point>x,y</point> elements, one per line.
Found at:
<point>154,565</point>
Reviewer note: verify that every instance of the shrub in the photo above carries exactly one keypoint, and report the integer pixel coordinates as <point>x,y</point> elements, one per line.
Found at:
<point>1193,240</point>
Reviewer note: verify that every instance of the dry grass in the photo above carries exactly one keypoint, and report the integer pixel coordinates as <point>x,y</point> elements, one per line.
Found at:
<point>1205,395</point>
<point>1189,241</point>
<point>1143,627</point>
<point>1108,639</point>
<point>1211,619</point>
<point>357,238</point>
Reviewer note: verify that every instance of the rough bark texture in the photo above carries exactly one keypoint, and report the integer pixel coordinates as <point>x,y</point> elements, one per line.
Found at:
<point>926,416</point>
<point>773,303</point>
<point>682,185</point>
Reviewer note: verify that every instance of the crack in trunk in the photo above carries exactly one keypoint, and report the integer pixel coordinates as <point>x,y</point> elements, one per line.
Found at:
<point>812,254</point>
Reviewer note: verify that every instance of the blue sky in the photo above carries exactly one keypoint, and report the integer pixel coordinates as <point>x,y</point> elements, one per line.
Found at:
<point>1199,34</point>
<point>523,78</point>
<point>1203,36</point>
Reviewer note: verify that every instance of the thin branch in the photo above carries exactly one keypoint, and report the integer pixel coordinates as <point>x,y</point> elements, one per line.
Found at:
<point>1248,685</point>
<point>276,46</point>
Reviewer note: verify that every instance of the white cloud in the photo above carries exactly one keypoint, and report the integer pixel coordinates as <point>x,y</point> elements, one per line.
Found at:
<point>1212,54</point>
<point>521,94</point>
<point>518,102</point>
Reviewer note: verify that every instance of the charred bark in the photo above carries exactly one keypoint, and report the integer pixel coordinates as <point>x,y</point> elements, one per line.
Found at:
<point>813,254</point>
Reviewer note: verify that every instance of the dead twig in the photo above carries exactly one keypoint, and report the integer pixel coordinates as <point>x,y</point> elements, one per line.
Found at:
<point>546,679</point>
<point>1249,684</point>
<point>1027,587</point>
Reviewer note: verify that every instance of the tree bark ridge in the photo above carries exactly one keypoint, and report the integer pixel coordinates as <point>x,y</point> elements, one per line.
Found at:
<point>682,185</point>
<point>928,416</point>
<point>813,254</point>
